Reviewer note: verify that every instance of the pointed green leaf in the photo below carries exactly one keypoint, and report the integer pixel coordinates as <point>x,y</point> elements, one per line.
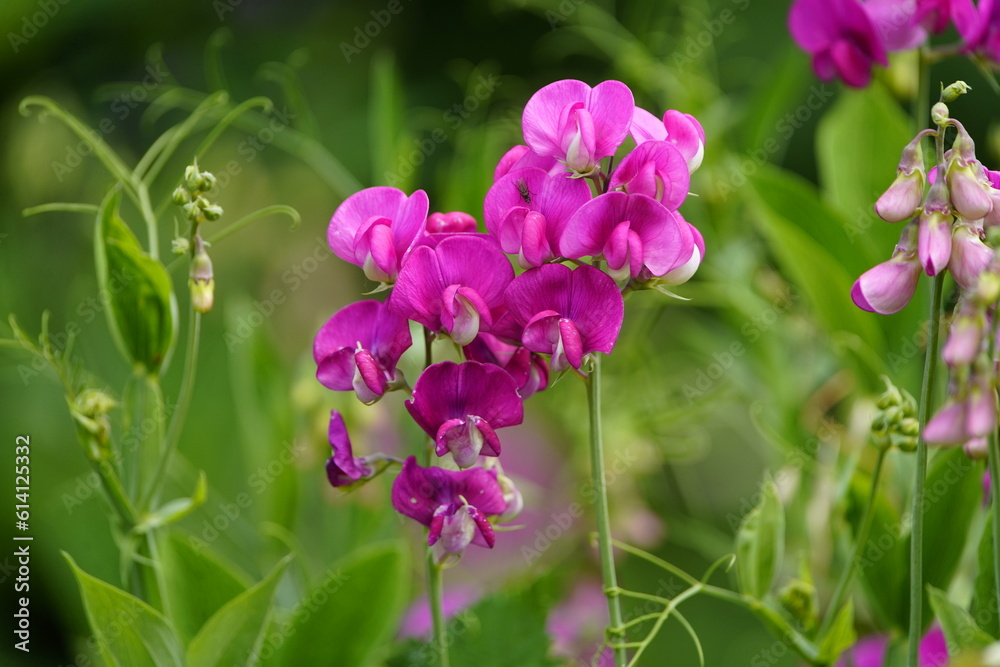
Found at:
<point>142,308</point>
<point>127,630</point>
<point>327,627</point>
<point>984,603</point>
<point>760,543</point>
<point>960,630</point>
<point>175,510</point>
<point>840,636</point>
<point>233,635</point>
<point>199,582</point>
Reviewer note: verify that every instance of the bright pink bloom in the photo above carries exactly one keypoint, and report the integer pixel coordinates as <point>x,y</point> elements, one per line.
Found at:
<point>565,312</point>
<point>454,505</point>
<point>453,287</point>
<point>680,129</point>
<point>455,222</point>
<point>462,405</point>
<point>685,271</point>
<point>841,37</point>
<point>529,370</point>
<point>577,124</point>
<point>902,199</point>
<point>358,349</point>
<point>527,211</point>
<point>343,468</point>
<point>889,286</point>
<point>870,651</point>
<point>897,22</point>
<point>656,169</point>
<point>631,232</point>
<point>374,228</point>
<point>522,157</point>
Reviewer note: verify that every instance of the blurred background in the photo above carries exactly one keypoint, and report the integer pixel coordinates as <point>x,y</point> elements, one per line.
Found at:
<point>768,366</point>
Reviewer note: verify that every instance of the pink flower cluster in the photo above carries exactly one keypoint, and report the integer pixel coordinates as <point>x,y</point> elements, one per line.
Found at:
<point>554,203</point>
<point>846,38</point>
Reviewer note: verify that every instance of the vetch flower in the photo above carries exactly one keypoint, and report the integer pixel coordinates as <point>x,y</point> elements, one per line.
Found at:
<point>656,169</point>
<point>889,286</point>
<point>527,210</point>
<point>870,651</point>
<point>454,505</point>
<point>374,228</point>
<point>841,38</point>
<point>343,468</point>
<point>453,287</point>
<point>577,124</point>
<point>680,129</point>
<point>565,312</point>
<point>902,199</point>
<point>522,157</point>
<point>969,188</point>
<point>460,406</point>
<point>684,272</point>
<point>969,255</point>
<point>934,234</point>
<point>631,232</point>
<point>455,222</point>
<point>529,370</point>
<point>358,349</point>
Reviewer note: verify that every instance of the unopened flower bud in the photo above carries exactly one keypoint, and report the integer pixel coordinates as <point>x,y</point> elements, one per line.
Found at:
<point>207,181</point>
<point>799,600</point>
<point>180,246</point>
<point>939,114</point>
<point>181,196</point>
<point>952,92</point>
<point>192,177</point>
<point>201,279</point>
<point>192,211</point>
<point>213,212</point>
<point>934,235</point>
<point>901,200</point>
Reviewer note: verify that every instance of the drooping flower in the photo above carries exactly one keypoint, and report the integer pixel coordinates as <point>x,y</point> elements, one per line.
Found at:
<point>969,255</point>
<point>358,349</point>
<point>889,286</point>
<point>527,211</point>
<point>453,287</point>
<point>631,232</point>
<point>841,38</point>
<point>655,169</point>
<point>680,129</point>
<point>901,201</point>
<point>565,312</point>
<point>970,190</point>
<point>343,468</point>
<point>934,234</point>
<point>454,505</point>
<point>685,271</point>
<point>462,405</point>
<point>529,370</point>
<point>374,228</point>
<point>577,124</point>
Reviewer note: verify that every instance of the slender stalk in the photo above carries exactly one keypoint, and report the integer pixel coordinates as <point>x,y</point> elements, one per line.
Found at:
<point>995,514</point>
<point>605,547</point>
<point>180,412</point>
<point>435,594</point>
<point>866,524</point>
<point>917,530</point>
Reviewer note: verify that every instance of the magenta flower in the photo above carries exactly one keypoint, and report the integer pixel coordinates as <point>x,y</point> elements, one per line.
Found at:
<point>979,26</point>
<point>343,468</point>
<point>680,129</point>
<point>870,651</point>
<point>527,211</point>
<point>529,371</point>
<point>969,186</point>
<point>454,505</point>
<point>898,23</point>
<point>453,287</point>
<point>841,38</point>
<point>685,271</point>
<point>461,405</point>
<point>358,348</point>
<point>522,157</point>
<point>577,124</point>
<point>455,222</point>
<point>565,312</point>
<point>889,286</point>
<point>656,169</point>
<point>631,232</point>
<point>375,227</point>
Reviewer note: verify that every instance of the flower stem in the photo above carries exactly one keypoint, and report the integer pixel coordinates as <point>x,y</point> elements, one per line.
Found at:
<point>917,530</point>
<point>601,508</point>
<point>848,575</point>
<point>435,595</point>
<point>995,514</point>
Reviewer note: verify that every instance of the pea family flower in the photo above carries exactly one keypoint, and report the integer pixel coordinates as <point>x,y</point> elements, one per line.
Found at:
<point>841,38</point>
<point>374,228</point>
<point>462,405</point>
<point>682,130</point>
<point>343,468</point>
<point>871,651</point>
<point>453,287</point>
<point>358,348</point>
<point>631,232</point>
<point>565,312</point>
<point>527,211</point>
<point>577,124</point>
<point>902,199</point>
<point>454,505</point>
<point>889,286</point>
<point>656,169</point>
<point>529,370</point>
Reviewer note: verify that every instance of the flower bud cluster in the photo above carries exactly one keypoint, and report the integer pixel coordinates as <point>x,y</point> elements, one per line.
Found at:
<point>895,424</point>
<point>191,196</point>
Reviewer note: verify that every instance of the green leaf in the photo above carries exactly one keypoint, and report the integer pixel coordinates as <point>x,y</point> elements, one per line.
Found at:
<point>953,492</point>
<point>127,630</point>
<point>984,606</point>
<point>175,510</point>
<point>199,582</point>
<point>233,635</point>
<point>327,625</point>
<point>960,630</point>
<point>840,636</point>
<point>760,543</point>
<point>142,308</point>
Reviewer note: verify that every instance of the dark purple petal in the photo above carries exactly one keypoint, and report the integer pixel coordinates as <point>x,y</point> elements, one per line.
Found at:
<point>342,468</point>
<point>365,325</point>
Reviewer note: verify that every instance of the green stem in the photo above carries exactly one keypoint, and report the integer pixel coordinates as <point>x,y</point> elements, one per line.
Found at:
<point>605,546</point>
<point>995,514</point>
<point>917,531</point>
<point>922,102</point>
<point>848,575</point>
<point>180,412</point>
<point>435,595</point>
